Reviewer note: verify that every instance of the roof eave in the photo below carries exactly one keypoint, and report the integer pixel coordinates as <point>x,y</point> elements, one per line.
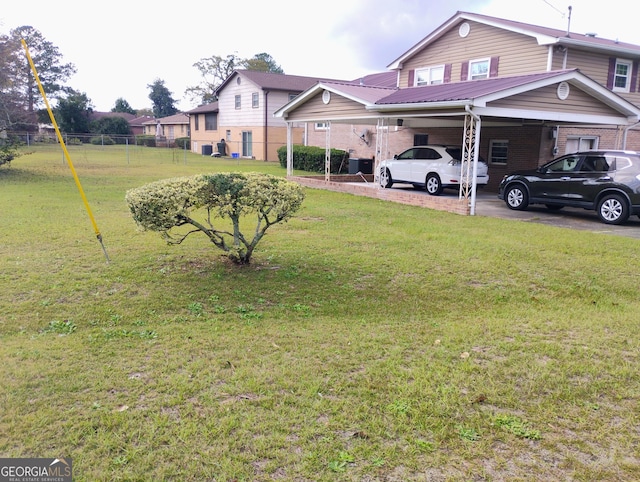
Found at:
<point>447,104</point>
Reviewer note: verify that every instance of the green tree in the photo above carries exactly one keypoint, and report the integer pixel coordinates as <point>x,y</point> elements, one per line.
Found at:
<point>214,70</point>
<point>162,99</point>
<point>8,150</point>
<point>263,62</point>
<point>73,113</point>
<point>19,94</point>
<point>165,205</point>
<point>111,125</point>
<point>123,106</point>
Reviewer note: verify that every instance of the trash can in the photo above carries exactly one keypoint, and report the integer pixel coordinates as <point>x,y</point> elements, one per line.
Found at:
<point>207,149</point>
<point>363,165</point>
<point>222,148</point>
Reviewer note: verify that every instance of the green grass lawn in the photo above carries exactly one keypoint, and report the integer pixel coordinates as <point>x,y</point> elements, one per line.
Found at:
<point>367,341</point>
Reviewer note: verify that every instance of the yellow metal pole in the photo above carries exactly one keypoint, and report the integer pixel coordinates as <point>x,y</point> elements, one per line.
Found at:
<point>64,148</point>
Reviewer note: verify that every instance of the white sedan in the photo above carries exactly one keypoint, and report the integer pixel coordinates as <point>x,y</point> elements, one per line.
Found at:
<point>431,167</point>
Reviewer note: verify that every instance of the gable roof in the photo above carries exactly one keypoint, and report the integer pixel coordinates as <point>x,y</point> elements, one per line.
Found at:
<point>475,94</point>
<point>203,109</point>
<point>380,79</point>
<point>543,35</point>
<point>273,81</point>
<point>180,118</point>
<point>364,94</point>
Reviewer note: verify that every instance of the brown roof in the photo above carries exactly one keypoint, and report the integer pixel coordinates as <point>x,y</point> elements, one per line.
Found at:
<point>561,35</point>
<point>380,79</point>
<point>545,36</point>
<point>180,118</point>
<point>273,81</point>
<point>456,91</point>
<point>202,109</point>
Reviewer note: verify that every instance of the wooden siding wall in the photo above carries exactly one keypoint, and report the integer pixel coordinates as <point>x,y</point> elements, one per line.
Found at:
<point>519,54</point>
<point>338,108</point>
<point>546,99</point>
<point>596,67</point>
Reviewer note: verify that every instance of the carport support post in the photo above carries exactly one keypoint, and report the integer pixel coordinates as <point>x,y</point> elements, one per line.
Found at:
<point>289,151</point>
<point>327,152</point>
<point>470,148</point>
<point>382,149</point>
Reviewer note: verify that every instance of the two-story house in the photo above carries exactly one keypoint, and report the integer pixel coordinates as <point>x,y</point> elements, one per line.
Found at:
<point>244,115</point>
<point>512,93</point>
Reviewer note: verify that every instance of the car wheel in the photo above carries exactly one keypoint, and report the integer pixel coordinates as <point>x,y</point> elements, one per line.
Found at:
<point>613,209</point>
<point>554,207</point>
<point>433,184</point>
<point>516,197</point>
<point>385,178</point>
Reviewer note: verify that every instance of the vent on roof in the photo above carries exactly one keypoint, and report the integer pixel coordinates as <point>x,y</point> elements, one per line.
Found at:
<point>591,34</point>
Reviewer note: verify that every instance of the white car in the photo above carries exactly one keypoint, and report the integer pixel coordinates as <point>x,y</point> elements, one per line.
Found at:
<point>431,167</point>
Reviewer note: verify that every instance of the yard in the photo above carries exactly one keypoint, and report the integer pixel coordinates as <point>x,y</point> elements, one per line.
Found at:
<point>367,341</point>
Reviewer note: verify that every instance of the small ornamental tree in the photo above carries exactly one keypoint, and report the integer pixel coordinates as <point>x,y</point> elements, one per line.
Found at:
<point>164,205</point>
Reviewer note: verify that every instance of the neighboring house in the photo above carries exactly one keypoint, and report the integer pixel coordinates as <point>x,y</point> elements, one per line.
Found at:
<point>516,94</point>
<point>203,125</point>
<point>136,125</point>
<point>246,104</point>
<point>167,129</point>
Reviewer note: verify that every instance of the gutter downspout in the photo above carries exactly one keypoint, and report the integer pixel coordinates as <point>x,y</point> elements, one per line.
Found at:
<point>476,148</point>
<point>624,135</point>
<point>266,125</point>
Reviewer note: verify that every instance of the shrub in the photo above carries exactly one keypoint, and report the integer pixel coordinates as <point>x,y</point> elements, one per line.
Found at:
<point>9,150</point>
<point>146,140</point>
<point>163,205</point>
<point>183,142</point>
<point>312,158</point>
<point>102,141</point>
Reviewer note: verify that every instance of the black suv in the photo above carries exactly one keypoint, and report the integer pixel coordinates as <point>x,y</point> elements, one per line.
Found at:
<point>605,181</point>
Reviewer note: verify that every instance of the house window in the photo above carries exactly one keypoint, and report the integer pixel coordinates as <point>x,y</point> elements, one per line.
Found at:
<point>479,69</point>
<point>581,143</point>
<point>228,135</point>
<point>622,76</point>
<point>430,75</point>
<point>254,100</point>
<point>211,122</point>
<point>321,126</point>
<point>498,151</point>
<point>196,119</point>
<point>238,102</point>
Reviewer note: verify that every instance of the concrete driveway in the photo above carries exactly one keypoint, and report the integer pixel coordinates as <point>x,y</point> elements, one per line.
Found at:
<point>488,204</point>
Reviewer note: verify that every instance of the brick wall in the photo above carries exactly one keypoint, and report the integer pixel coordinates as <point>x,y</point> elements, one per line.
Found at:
<point>356,186</point>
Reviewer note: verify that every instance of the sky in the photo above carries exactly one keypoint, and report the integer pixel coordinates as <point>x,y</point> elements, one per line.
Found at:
<point>120,47</point>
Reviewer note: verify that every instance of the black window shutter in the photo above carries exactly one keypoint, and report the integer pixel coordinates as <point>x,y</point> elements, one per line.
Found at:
<point>447,73</point>
<point>612,71</point>
<point>412,74</point>
<point>493,66</point>
<point>634,76</point>
<point>464,71</point>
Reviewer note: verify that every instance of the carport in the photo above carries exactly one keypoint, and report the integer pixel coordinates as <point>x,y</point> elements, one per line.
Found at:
<point>549,99</point>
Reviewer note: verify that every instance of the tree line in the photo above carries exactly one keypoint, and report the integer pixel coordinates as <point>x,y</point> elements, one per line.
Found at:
<point>22,108</point>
